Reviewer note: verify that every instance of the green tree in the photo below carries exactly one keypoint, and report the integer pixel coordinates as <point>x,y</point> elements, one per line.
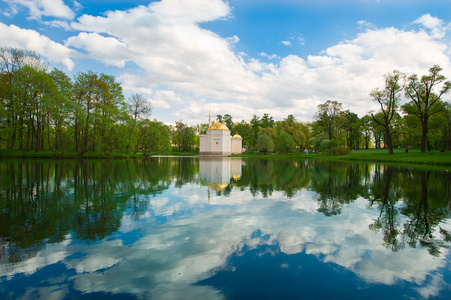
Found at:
<point>255,128</point>
<point>243,128</point>
<point>61,111</point>
<point>352,126</point>
<point>366,130</point>
<point>155,137</point>
<point>424,101</point>
<point>286,143</point>
<point>267,121</point>
<point>11,61</point>
<point>264,144</point>
<point>298,131</point>
<point>185,136</point>
<point>388,99</point>
<point>329,117</point>
<point>229,122</point>
<point>35,88</point>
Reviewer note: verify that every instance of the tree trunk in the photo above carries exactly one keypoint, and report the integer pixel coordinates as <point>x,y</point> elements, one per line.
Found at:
<point>388,140</point>
<point>424,133</point>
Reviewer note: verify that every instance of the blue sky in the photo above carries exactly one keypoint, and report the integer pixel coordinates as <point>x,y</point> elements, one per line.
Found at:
<point>241,57</point>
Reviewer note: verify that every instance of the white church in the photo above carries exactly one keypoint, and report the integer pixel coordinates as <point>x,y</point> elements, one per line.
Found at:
<point>218,140</point>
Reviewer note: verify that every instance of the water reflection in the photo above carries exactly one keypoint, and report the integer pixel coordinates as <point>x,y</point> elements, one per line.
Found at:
<point>145,229</point>
<point>218,171</point>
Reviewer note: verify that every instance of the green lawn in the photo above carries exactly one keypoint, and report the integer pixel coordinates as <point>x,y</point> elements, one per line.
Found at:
<point>414,156</point>
<point>435,157</point>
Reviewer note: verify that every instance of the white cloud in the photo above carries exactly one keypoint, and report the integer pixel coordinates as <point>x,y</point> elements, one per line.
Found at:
<point>286,43</point>
<point>29,39</point>
<point>437,27</point>
<point>39,8</point>
<point>174,52</point>
<point>169,50</point>
<point>108,50</point>
<point>268,56</point>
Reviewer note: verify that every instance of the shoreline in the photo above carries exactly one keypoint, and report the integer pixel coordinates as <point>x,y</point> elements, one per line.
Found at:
<point>414,156</point>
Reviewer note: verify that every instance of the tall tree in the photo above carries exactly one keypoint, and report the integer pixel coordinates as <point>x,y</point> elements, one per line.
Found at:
<point>138,106</point>
<point>328,116</point>
<point>227,119</point>
<point>267,121</point>
<point>185,136</point>
<point>388,100</point>
<point>265,144</point>
<point>424,101</point>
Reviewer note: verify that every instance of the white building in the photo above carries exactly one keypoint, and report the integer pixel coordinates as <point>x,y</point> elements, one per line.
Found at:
<point>218,141</point>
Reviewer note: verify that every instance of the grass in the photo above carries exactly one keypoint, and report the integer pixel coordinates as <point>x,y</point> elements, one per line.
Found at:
<point>414,156</point>
<point>64,154</point>
<point>74,154</point>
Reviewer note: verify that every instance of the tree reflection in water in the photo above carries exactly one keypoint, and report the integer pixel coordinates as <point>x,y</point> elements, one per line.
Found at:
<point>44,201</point>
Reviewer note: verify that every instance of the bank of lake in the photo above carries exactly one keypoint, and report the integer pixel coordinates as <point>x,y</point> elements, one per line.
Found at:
<point>413,156</point>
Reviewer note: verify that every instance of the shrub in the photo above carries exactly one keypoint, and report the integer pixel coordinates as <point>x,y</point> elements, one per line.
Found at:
<point>339,150</point>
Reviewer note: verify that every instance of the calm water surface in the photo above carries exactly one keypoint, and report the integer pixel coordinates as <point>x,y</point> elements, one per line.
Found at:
<point>205,228</point>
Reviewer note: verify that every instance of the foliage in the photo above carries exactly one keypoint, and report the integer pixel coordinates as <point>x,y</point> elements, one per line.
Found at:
<point>265,144</point>
<point>286,143</point>
<point>339,150</point>
<point>388,100</point>
<point>424,101</point>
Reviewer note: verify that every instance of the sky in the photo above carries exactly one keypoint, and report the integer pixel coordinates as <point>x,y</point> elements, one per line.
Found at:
<point>236,57</point>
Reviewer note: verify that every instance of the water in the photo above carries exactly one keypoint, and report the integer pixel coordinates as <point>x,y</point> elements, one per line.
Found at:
<point>221,228</point>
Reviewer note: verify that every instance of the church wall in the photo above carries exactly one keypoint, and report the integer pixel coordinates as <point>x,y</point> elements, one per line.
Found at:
<point>236,146</point>
<point>217,142</point>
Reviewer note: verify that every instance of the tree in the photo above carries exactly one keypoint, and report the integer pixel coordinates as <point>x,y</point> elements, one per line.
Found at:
<point>286,143</point>
<point>265,143</point>
<point>352,126</point>
<point>267,121</point>
<point>61,109</point>
<point>297,130</point>
<point>138,106</point>
<point>366,130</point>
<point>11,61</point>
<point>243,128</point>
<point>388,99</point>
<point>185,136</point>
<point>447,125</point>
<point>328,116</point>
<point>424,101</point>
<point>255,128</point>
<point>154,137</point>
<point>227,119</point>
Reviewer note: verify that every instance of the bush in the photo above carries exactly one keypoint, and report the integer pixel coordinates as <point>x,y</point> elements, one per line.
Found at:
<point>286,143</point>
<point>339,150</point>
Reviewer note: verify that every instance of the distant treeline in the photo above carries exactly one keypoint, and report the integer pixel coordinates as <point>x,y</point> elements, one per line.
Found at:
<point>47,110</point>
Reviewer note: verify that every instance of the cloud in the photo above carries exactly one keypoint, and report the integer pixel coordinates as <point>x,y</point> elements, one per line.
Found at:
<point>286,43</point>
<point>434,24</point>
<point>108,50</point>
<point>31,40</point>
<point>40,8</point>
<point>174,53</point>
<point>162,46</point>
<point>192,245</point>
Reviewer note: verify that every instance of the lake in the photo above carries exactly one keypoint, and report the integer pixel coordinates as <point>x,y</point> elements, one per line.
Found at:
<point>223,228</point>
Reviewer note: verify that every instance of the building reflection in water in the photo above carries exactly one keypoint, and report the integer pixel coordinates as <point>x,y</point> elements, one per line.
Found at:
<point>217,172</point>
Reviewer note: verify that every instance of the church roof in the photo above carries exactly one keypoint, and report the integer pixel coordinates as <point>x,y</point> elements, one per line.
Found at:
<point>219,187</point>
<point>218,126</point>
<point>236,136</point>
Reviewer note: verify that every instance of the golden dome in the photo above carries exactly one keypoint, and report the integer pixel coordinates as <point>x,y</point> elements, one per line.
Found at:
<point>218,126</point>
<point>236,176</point>
<point>236,136</point>
<point>219,187</point>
